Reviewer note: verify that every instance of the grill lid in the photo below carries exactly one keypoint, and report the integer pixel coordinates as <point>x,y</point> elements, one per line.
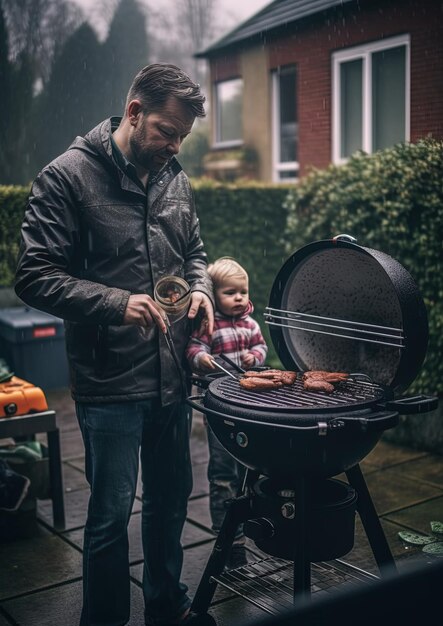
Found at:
<point>337,306</point>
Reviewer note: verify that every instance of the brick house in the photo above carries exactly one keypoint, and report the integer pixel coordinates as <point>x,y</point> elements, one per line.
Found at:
<point>308,82</point>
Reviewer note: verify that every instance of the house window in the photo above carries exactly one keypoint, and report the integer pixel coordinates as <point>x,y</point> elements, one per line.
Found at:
<point>285,124</point>
<point>371,97</point>
<point>228,111</point>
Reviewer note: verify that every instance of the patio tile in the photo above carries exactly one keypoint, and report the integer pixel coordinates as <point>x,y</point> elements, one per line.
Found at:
<point>198,511</point>
<point>61,606</point>
<point>73,478</point>
<point>386,454</point>
<point>391,490</point>
<point>35,563</point>
<point>428,468</point>
<point>418,517</point>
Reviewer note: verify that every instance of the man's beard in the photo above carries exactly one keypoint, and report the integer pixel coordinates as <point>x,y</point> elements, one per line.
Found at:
<point>142,157</point>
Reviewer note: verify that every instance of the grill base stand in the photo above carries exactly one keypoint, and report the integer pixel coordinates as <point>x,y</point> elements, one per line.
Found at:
<point>304,581</point>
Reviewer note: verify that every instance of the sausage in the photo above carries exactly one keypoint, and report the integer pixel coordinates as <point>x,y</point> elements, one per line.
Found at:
<point>318,385</point>
<point>259,384</point>
<point>331,377</point>
<point>263,374</point>
<point>286,377</point>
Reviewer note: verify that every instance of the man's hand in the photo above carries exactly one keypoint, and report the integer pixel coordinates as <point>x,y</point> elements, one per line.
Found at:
<point>141,310</point>
<point>201,300</point>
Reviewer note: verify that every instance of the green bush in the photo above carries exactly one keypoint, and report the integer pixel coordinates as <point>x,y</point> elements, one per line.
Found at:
<point>245,220</point>
<point>12,208</point>
<point>391,201</point>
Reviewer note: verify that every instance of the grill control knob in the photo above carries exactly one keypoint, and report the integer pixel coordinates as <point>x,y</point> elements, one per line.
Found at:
<point>288,510</point>
<point>259,529</point>
<point>242,440</point>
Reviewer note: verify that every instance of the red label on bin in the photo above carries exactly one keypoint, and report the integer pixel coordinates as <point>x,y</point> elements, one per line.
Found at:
<point>47,331</point>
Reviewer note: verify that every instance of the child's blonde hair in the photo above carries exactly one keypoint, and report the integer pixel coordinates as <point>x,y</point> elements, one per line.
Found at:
<point>224,268</point>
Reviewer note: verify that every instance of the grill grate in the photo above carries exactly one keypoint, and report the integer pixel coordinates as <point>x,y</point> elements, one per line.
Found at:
<point>268,583</point>
<point>352,393</point>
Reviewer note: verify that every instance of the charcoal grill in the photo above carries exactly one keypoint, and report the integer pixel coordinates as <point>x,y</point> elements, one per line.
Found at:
<point>333,306</point>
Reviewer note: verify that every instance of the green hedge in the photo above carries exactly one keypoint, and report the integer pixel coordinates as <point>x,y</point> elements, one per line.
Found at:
<point>246,221</point>
<point>12,207</point>
<point>391,201</point>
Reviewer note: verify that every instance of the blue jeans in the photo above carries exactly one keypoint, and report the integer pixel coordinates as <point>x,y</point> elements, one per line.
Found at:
<point>225,476</point>
<point>114,436</point>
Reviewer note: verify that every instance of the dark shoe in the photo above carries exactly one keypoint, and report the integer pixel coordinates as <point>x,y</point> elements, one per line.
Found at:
<point>13,488</point>
<point>237,557</point>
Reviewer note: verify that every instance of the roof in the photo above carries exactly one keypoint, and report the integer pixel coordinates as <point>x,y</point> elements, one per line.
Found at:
<point>276,14</point>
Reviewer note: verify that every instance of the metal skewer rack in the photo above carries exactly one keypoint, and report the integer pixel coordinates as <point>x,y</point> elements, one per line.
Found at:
<point>346,329</point>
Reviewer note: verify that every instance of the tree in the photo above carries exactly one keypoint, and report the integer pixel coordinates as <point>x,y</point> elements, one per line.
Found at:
<point>31,31</point>
<point>70,103</point>
<point>190,26</point>
<point>125,52</point>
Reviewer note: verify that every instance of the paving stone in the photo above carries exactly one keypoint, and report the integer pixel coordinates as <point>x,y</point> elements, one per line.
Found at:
<point>386,454</point>
<point>391,490</point>
<point>236,612</point>
<point>73,478</point>
<point>200,480</point>
<point>35,563</point>
<point>418,517</point>
<point>199,444</point>
<point>61,606</point>
<point>428,468</point>
<point>71,445</point>
<point>198,511</point>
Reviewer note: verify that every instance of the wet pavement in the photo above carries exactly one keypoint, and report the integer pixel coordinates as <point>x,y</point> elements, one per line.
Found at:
<point>40,572</point>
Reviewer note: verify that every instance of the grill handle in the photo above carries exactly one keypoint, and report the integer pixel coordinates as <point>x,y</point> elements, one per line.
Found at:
<point>381,420</point>
<point>411,405</point>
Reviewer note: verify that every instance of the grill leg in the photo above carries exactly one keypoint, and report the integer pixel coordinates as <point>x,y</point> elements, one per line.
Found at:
<point>371,522</point>
<point>238,511</point>
<point>302,564</point>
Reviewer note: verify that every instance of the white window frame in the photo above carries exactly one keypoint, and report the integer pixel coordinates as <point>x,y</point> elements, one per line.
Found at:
<point>365,53</point>
<point>233,143</point>
<point>277,166</point>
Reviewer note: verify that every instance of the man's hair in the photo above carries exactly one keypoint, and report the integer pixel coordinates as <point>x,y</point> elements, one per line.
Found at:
<point>224,268</point>
<point>155,83</point>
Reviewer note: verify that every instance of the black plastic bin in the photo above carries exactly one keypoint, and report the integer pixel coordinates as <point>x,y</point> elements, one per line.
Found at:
<point>33,345</point>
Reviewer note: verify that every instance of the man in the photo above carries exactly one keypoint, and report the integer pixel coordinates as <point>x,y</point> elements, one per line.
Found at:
<point>105,220</point>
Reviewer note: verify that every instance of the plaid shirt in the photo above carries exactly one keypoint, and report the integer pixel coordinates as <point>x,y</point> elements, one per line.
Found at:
<point>232,336</point>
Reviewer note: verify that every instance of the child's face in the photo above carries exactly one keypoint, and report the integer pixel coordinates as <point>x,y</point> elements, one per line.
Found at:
<point>232,297</point>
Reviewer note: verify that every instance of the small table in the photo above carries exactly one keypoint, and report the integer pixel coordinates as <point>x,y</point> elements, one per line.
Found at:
<point>42,422</point>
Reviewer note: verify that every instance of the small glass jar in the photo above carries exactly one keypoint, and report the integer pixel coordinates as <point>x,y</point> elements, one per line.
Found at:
<point>173,294</point>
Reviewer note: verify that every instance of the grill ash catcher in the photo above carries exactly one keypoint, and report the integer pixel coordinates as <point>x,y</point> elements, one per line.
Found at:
<point>334,306</point>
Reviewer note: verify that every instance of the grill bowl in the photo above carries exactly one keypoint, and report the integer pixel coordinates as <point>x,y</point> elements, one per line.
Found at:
<point>282,441</point>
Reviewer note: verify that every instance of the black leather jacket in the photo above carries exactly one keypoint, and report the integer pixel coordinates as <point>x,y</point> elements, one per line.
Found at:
<point>90,238</point>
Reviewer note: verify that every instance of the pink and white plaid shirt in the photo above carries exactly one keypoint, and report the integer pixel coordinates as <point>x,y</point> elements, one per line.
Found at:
<point>232,336</point>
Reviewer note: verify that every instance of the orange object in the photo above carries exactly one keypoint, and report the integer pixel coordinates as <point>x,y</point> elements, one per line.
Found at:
<point>18,397</point>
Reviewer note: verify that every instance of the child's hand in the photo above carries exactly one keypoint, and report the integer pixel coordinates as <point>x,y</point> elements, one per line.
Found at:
<point>205,362</point>
<point>248,360</point>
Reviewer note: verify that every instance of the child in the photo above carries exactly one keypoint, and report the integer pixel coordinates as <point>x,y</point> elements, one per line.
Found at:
<point>237,336</point>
